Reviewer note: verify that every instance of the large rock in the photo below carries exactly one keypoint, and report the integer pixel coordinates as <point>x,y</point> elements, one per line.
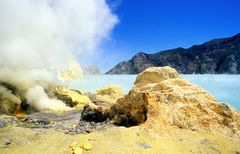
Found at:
<point>102,101</point>
<point>130,110</point>
<point>155,75</point>
<point>71,97</point>
<point>166,99</point>
<point>106,96</point>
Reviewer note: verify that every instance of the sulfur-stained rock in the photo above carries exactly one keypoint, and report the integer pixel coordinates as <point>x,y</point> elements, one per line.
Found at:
<point>170,100</point>
<point>71,97</point>
<point>102,101</point>
<point>77,148</point>
<point>130,110</point>
<point>107,96</point>
<point>86,146</point>
<point>94,113</point>
<point>9,98</point>
<point>113,90</point>
<point>155,75</point>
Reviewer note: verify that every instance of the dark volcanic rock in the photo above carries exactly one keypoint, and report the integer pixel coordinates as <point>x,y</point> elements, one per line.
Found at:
<point>96,115</point>
<point>8,142</point>
<point>88,127</point>
<point>213,57</point>
<point>37,121</point>
<point>69,122</point>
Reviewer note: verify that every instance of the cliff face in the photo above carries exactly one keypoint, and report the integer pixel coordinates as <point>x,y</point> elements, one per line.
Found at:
<point>213,57</point>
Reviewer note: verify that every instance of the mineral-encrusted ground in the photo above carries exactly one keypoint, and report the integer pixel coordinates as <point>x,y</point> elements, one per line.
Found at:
<point>114,140</point>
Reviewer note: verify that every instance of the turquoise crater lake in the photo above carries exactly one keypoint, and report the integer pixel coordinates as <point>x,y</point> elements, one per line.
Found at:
<point>226,88</point>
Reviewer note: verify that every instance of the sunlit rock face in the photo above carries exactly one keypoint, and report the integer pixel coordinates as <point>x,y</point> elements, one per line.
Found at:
<point>155,75</point>
<point>160,97</point>
<point>102,101</point>
<point>72,98</point>
<point>107,96</point>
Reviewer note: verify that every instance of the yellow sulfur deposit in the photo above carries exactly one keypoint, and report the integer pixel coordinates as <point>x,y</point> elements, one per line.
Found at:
<point>78,148</point>
<point>77,99</point>
<point>107,96</point>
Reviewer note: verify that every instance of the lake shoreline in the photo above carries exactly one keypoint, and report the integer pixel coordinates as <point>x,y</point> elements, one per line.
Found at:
<point>224,87</point>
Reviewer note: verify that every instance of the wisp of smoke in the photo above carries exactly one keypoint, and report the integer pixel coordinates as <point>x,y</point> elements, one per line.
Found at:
<point>38,99</point>
<point>7,100</point>
<point>38,37</point>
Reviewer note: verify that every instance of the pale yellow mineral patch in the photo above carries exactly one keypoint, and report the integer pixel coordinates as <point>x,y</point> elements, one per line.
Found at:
<point>107,96</point>
<point>113,90</point>
<point>155,75</point>
<point>78,99</point>
<point>86,146</point>
<point>77,148</point>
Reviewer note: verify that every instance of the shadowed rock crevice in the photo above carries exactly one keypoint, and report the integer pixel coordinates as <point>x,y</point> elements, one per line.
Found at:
<point>128,111</point>
<point>94,114</point>
<point>131,110</point>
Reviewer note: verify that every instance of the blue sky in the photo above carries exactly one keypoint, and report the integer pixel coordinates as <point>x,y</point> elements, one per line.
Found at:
<point>154,25</point>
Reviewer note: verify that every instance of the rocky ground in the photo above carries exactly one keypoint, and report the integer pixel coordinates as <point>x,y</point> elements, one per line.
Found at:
<point>18,139</point>
<point>69,122</point>
<point>161,114</point>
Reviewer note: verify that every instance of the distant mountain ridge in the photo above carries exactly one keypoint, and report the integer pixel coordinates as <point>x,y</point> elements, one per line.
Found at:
<point>213,57</point>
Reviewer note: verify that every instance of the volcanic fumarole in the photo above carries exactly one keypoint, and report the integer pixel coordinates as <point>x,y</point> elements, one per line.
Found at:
<point>38,38</point>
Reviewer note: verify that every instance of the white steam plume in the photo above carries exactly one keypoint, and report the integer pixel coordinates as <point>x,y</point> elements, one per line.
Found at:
<point>38,37</point>
<point>38,99</point>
